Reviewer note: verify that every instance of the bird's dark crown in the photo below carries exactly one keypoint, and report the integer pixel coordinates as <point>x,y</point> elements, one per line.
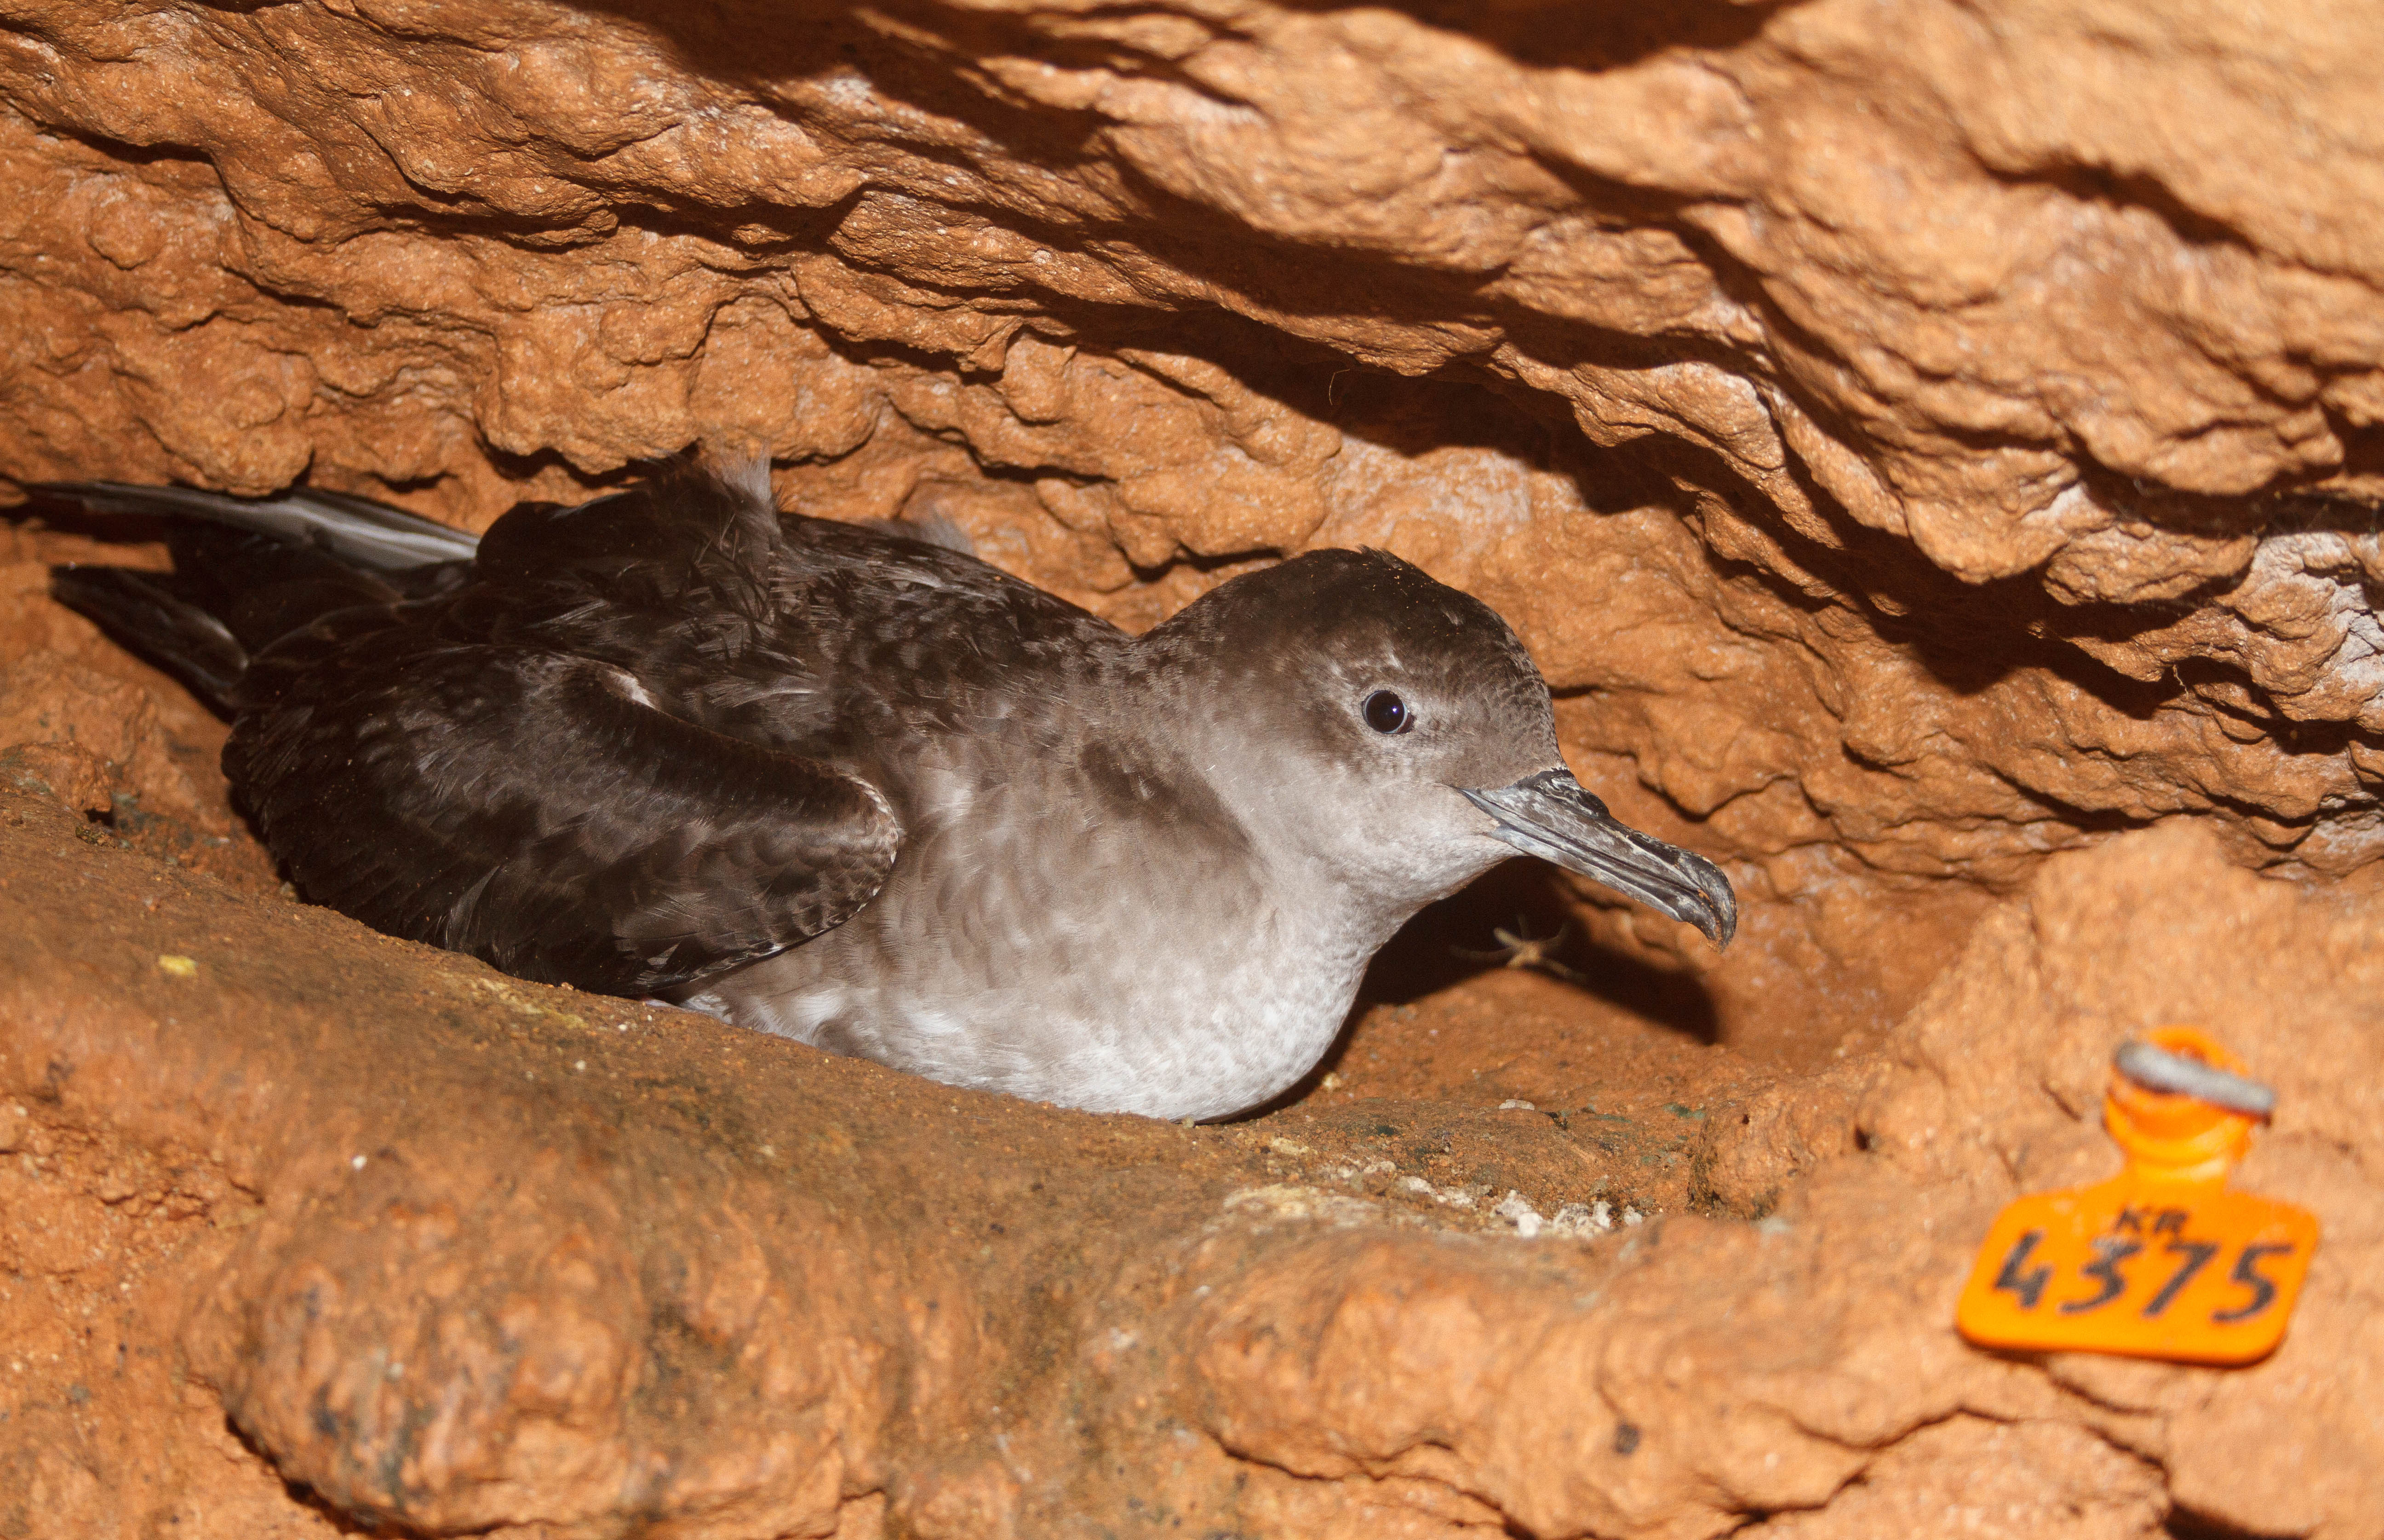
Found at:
<point>1345,602</point>
<point>1293,652</point>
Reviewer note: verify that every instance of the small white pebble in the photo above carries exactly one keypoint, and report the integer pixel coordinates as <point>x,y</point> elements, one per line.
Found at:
<point>1516,1104</point>
<point>357,1162</point>
<point>579,1064</point>
<point>1633,1216</point>
<point>1517,1211</point>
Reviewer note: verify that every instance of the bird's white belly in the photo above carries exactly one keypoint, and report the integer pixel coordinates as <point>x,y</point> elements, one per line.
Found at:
<point>1125,1016</point>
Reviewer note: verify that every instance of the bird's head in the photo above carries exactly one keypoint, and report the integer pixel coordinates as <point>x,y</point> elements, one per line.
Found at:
<point>1392,734</point>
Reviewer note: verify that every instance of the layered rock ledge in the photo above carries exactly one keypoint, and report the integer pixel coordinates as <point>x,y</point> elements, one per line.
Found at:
<point>1932,447</point>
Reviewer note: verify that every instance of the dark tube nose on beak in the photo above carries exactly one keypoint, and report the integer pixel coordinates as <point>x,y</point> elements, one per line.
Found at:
<point>1555,817</point>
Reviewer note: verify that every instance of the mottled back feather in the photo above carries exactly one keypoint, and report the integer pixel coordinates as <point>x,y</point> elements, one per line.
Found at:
<point>468,757</point>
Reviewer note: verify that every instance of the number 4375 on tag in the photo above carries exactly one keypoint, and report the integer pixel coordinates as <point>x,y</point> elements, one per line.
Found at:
<point>2204,1275</point>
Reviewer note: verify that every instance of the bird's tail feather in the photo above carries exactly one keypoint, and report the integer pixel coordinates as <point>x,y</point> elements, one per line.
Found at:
<point>249,571</point>
<point>139,611</point>
<point>358,531</point>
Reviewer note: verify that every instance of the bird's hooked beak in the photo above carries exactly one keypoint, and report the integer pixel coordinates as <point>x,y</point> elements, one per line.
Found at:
<point>1555,817</point>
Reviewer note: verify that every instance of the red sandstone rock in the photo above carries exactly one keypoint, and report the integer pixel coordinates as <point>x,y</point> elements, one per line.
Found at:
<point>1915,439</point>
<point>473,1254</point>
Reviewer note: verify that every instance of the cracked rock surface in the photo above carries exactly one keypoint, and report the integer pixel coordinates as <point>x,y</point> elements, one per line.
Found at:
<point>1932,449</point>
<point>1927,433</point>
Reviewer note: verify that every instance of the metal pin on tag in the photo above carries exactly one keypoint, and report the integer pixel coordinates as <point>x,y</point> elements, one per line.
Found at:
<point>2157,1069</point>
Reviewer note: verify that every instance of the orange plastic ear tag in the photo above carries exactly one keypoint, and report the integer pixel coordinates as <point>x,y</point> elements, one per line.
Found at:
<point>2163,1261</point>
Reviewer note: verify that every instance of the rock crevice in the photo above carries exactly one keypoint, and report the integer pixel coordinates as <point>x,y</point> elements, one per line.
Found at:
<point>1931,449</point>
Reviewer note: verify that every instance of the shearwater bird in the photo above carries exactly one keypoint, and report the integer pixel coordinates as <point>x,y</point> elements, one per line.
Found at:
<point>864,791</point>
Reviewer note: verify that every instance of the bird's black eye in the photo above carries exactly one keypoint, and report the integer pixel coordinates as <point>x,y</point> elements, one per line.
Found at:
<point>1385,713</point>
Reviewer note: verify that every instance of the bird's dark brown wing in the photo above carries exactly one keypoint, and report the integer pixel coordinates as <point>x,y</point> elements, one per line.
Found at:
<point>523,806</point>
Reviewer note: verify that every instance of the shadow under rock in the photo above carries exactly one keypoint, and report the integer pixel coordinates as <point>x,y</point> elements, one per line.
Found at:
<point>1443,945</point>
<point>730,37</point>
<point>1585,34</point>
